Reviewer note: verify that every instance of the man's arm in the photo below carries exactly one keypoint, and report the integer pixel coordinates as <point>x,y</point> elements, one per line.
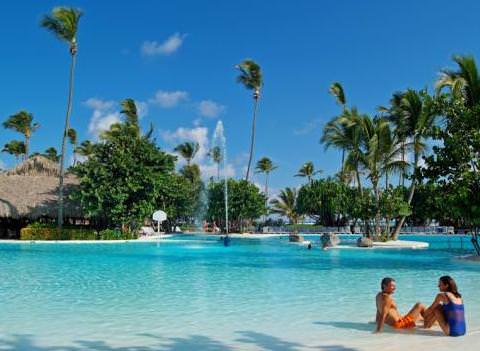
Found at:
<point>382,315</point>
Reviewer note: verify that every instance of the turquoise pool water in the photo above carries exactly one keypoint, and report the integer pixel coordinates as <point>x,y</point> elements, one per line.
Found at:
<point>191,293</point>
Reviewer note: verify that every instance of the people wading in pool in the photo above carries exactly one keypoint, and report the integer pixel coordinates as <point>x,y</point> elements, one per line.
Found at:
<point>387,311</point>
<point>447,309</point>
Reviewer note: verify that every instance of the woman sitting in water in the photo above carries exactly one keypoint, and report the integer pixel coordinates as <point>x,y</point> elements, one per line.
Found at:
<point>447,309</point>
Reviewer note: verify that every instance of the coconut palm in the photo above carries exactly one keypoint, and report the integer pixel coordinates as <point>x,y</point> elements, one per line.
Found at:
<point>336,89</point>
<point>85,148</point>
<point>16,148</point>
<point>22,122</point>
<point>265,165</point>
<point>216,154</point>
<point>252,79</point>
<point>63,23</point>
<point>72,137</point>
<point>187,150</point>
<point>463,83</point>
<point>52,154</point>
<point>286,205</point>
<point>420,117</point>
<point>308,171</point>
<point>396,116</point>
<point>380,155</point>
<point>345,132</point>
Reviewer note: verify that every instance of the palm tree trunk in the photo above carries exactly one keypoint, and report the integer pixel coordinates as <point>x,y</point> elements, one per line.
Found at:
<point>357,175</point>
<point>377,214</point>
<point>218,171</point>
<point>252,141</point>
<point>27,147</point>
<point>64,141</point>
<point>396,232</point>
<point>386,180</point>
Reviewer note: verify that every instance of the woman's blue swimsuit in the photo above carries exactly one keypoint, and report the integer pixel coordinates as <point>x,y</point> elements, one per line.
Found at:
<point>455,317</point>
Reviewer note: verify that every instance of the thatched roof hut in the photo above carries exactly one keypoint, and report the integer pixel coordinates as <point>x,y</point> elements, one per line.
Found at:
<point>30,190</point>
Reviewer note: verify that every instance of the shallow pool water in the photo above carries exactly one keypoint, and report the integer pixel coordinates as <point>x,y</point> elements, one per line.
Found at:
<point>192,293</point>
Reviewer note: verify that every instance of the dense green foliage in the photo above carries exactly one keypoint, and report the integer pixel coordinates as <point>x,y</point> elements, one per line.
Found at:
<point>245,203</point>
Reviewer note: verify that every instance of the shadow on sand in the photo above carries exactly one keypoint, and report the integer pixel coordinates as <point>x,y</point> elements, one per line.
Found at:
<point>247,340</point>
<point>370,327</point>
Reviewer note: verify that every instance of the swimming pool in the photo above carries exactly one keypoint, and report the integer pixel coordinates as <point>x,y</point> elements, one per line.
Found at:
<point>191,293</point>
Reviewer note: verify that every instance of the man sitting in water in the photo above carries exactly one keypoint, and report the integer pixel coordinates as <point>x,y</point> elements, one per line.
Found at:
<point>387,311</point>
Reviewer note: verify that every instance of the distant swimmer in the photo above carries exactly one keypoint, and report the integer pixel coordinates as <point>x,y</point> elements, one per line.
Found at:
<point>226,240</point>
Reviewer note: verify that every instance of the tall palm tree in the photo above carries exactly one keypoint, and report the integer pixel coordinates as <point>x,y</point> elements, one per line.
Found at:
<point>16,148</point>
<point>308,171</point>
<point>72,137</point>
<point>420,117</point>
<point>398,118</point>
<point>265,165</point>
<point>217,157</point>
<point>22,122</point>
<point>286,205</point>
<point>345,132</point>
<point>336,89</point>
<point>129,125</point>
<point>463,83</point>
<point>52,154</point>
<point>63,23</point>
<point>379,156</point>
<point>187,150</point>
<point>86,148</point>
<point>252,79</point>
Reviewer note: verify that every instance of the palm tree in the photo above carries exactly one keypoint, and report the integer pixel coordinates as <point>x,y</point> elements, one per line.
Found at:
<point>307,170</point>
<point>86,148</point>
<point>15,148</point>
<point>52,154</point>
<point>187,150</point>
<point>463,83</point>
<point>336,89</point>
<point>216,154</point>
<point>22,122</point>
<point>72,137</point>
<point>63,23</point>
<point>251,77</point>
<point>420,117</point>
<point>396,116</point>
<point>129,126</point>
<point>345,132</point>
<point>379,155</point>
<point>265,165</point>
<point>286,205</point>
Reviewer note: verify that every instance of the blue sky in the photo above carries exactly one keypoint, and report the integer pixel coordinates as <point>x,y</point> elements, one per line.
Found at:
<point>176,58</point>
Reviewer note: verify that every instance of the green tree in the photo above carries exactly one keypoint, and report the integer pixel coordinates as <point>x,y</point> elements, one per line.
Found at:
<point>15,148</point>
<point>217,157</point>
<point>63,23</point>
<point>251,77</point>
<point>286,205</point>
<point>336,89</point>
<point>52,154</point>
<point>22,122</point>
<point>420,114</point>
<point>72,137</point>
<point>122,180</point>
<point>245,203</point>
<point>265,165</point>
<point>308,171</point>
<point>85,148</point>
<point>187,150</point>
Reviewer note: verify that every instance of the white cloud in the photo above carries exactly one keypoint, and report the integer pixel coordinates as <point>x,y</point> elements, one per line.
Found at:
<point>101,121</point>
<point>142,108</point>
<point>168,99</point>
<point>99,104</point>
<point>200,135</point>
<point>211,109</point>
<point>168,47</point>
<point>308,127</point>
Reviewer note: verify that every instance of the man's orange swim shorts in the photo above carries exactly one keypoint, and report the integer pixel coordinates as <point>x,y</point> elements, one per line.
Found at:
<point>406,322</point>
